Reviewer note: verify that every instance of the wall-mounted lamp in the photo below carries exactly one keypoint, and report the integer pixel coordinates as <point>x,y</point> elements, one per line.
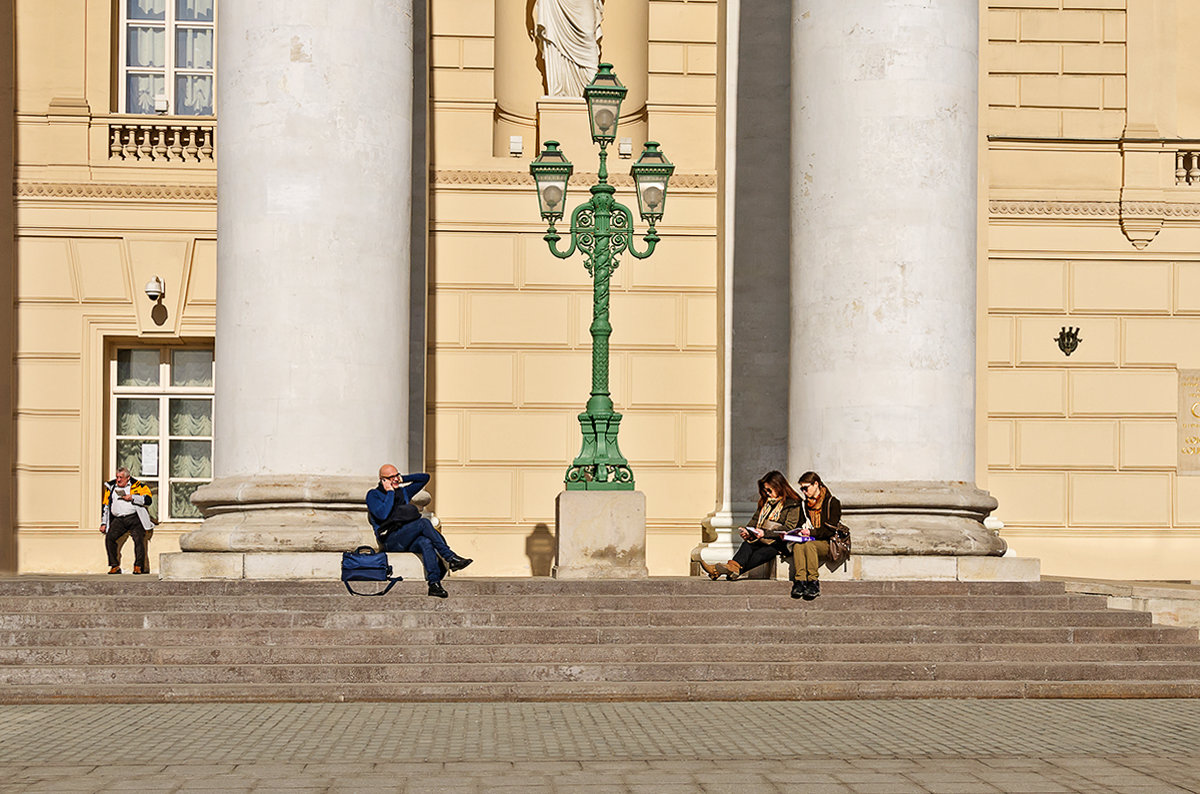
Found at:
<point>516,146</point>
<point>160,104</point>
<point>625,148</point>
<point>156,290</point>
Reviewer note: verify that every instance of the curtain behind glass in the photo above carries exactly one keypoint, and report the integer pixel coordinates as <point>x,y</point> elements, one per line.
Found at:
<point>137,367</point>
<point>194,10</point>
<point>146,47</point>
<point>191,368</point>
<point>138,418</point>
<point>147,9</point>
<point>191,417</point>
<point>194,48</point>
<point>193,95</point>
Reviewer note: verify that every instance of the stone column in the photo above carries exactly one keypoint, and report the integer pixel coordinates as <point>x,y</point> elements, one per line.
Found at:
<point>314,186</point>
<point>753,187</point>
<point>884,147</point>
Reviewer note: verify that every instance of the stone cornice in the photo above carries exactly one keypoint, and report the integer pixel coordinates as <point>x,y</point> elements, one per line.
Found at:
<point>129,192</point>
<point>584,179</point>
<point>1093,209</point>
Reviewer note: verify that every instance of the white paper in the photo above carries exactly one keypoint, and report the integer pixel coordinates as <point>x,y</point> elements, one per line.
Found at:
<point>149,460</point>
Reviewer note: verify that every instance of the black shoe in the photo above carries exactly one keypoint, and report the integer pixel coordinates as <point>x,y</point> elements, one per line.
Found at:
<point>811,591</point>
<point>799,589</point>
<point>458,563</point>
<point>437,591</point>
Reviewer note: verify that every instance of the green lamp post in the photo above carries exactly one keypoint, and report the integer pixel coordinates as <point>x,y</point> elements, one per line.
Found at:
<point>601,228</point>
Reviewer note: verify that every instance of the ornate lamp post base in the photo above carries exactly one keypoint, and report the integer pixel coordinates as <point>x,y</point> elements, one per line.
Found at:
<point>600,465</point>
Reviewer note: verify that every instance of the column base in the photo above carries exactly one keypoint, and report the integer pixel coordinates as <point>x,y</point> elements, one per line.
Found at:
<point>895,567</point>
<point>272,565</point>
<point>601,535</point>
<point>919,518</point>
<point>277,527</point>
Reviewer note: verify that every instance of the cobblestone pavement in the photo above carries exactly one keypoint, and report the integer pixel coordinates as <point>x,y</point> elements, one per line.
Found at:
<point>955,747</point>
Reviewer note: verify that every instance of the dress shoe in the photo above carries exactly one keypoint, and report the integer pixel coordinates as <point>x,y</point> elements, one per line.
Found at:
<point>437,591</point>
<point>799,588</point>
<point>458,563</point>
<point>811,591</point>
<point>115,569</point>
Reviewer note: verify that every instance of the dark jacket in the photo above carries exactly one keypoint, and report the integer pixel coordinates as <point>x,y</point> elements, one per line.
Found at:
<point>380,502</point>
<point>791,516</point>
<point>831,517</point>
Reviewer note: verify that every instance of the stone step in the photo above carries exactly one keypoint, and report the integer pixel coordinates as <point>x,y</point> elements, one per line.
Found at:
<point>439,618</point>
<point>121,639</point>
<point>561,654</point>
<point>466,586</point>
<point>583,691</point>
<point>535,602</point>
<point>498,636</point>
<point>587,671</point>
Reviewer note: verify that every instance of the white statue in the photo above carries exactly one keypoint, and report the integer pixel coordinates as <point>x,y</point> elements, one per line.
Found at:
<point>569,31</point>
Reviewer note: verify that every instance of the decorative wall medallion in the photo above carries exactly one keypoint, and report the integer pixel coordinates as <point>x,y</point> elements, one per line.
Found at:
<point>1068,340</point>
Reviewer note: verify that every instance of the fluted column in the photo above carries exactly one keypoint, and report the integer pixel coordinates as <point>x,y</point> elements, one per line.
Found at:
<point>884,149</point>
<point>314,198</point>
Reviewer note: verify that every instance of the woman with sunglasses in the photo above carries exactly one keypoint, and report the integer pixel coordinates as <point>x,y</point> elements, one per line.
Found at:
<point>780,510</point>
<point>823,512</point>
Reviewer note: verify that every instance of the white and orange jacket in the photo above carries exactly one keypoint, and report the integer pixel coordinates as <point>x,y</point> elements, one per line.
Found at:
<point>141,500</point>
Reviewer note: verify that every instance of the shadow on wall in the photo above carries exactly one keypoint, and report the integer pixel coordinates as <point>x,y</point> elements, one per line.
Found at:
<point>541,547</point>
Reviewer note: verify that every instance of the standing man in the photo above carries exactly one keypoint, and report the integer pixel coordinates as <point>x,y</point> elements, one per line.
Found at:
<point>399,526</point>
<point>123,510</point>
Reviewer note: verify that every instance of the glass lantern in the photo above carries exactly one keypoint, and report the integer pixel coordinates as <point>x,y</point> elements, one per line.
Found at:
<point>604,96</point>
<point>551,170</point>
<point>651,173</point>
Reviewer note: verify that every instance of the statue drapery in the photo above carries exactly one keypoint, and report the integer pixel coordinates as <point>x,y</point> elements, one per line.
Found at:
<point>569,34</point>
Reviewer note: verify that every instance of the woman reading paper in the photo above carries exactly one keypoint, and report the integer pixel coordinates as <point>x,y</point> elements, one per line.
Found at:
<point>780,510</point>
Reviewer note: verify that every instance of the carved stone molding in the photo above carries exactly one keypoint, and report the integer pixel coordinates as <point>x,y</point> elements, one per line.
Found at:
<point>96,190</point>
<point>583,179</point>
<point>1111,209</point>
<point>1107,209</point>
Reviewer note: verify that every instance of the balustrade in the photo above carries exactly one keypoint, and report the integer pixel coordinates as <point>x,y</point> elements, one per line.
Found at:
<point>162,142</point>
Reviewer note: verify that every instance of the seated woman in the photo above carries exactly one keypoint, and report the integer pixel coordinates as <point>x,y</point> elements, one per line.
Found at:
<point>823,511</point>
<point>780,510</point>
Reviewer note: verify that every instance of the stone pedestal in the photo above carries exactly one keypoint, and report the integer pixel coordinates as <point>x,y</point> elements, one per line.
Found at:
<point>601,535</point>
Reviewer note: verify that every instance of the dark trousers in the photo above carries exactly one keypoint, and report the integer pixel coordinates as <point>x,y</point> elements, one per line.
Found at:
<point>421,538</point>
<point>752,555</point>
<point>118,527</point>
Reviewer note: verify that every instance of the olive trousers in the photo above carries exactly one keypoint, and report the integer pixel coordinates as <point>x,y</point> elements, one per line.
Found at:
<point>807,558</point>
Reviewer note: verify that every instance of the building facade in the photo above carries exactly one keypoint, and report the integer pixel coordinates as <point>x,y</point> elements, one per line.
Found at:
<point>1088,146</point>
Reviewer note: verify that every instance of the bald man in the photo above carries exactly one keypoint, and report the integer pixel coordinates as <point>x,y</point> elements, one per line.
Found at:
<point>399,526</point>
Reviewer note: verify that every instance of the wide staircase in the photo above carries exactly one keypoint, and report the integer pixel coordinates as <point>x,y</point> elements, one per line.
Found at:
<point>131,640</point>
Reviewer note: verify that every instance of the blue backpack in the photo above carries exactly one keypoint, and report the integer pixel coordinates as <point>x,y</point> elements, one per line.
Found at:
<point>364,564</point>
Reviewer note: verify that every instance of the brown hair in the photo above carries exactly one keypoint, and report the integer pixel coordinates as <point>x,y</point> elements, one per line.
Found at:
<point>780,484</point>
<point>810,477</point>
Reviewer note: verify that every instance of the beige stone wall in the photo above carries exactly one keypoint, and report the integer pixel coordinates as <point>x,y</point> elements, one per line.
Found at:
<point>510,354</point>
<point>93,225</point>
<point>1088,229</point>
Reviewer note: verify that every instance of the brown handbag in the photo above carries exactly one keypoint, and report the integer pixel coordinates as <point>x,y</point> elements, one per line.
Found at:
<point>839,548</point>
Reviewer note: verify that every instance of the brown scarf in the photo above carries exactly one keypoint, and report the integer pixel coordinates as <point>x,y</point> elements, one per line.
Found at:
<point>771,511</point>
<point>814,506</point>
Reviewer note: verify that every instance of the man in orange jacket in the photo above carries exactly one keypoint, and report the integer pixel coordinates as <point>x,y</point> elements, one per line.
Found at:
<point>123,511</point>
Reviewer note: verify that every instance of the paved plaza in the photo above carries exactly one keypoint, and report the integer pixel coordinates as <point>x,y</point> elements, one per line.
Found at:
<point>872,747</point>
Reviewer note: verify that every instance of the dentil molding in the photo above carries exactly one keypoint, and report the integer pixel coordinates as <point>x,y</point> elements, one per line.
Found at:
<point>99,190</point>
